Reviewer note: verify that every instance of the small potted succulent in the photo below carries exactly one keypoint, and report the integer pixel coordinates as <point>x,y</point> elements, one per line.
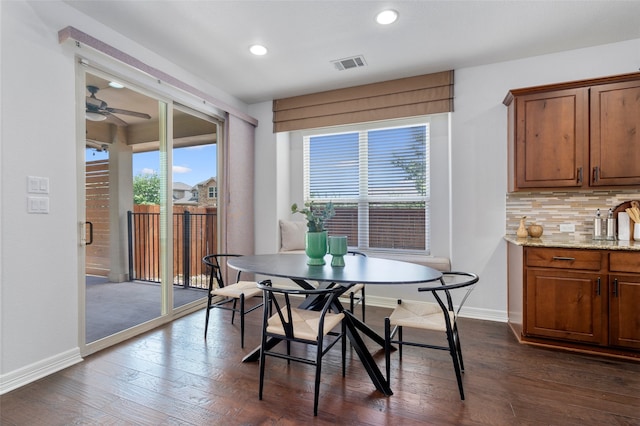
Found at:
<point>316,236</point>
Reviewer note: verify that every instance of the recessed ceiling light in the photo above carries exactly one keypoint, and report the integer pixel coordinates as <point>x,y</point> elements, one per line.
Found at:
<point>387,17</point>
<point>258,50</point>
<point>116,85</point>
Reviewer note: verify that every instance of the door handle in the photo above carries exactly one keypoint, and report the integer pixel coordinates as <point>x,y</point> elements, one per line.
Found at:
<point>567,259</point>
<point>90,234</point>
<point>596,173</point>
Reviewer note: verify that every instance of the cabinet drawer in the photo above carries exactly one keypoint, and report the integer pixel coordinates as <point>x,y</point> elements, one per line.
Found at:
<point>624,261</point>
<point>590,260</point>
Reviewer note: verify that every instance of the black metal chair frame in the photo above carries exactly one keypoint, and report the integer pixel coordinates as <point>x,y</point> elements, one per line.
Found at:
<point>325,297</point>
<point>353,300</point>
<point>213,262</point>
<point>447,308</point>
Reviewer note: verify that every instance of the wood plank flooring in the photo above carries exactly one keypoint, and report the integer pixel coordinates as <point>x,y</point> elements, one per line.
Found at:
<point>172,376</point>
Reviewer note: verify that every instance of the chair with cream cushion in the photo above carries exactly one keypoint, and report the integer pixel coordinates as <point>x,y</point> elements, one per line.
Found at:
<point>441,316</point>
<point>310,327</point>
<point>221,294</point>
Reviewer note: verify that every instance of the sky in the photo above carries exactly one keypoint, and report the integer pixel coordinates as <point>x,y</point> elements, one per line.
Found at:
<point>190,165</point>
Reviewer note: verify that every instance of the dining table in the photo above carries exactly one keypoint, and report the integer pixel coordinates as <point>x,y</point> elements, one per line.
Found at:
<point>356,270</point>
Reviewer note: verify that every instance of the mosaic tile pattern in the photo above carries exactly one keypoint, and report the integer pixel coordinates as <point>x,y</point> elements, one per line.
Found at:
<point>550,209</point>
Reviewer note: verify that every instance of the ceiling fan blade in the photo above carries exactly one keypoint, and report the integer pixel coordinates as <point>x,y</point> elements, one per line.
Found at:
<point>127,112</point>
<point>116,120</point>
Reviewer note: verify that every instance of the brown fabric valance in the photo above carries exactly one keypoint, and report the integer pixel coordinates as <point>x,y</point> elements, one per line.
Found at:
<point>406,97</point>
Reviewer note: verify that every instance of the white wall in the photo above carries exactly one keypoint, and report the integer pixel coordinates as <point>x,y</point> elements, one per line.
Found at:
<point>479,160</point>
<point>39,280</point>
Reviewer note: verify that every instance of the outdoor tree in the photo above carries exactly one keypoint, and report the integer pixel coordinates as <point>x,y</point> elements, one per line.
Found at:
<point>146,189</point>
<point>414,164</point>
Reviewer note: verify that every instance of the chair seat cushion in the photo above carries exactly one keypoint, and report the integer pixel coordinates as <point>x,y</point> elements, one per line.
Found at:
<point>248,288</point>
<point>426,316</point>
<point>356,288</point>
<point>305,323</point>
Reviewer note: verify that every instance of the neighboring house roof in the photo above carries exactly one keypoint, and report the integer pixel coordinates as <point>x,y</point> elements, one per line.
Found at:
<point>205,182</point>
<point>181,186</point>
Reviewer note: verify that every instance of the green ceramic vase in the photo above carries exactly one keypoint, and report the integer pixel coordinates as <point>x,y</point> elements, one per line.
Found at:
<point>316,247</point>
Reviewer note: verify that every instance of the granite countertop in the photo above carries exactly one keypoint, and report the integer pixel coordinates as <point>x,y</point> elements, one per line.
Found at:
<point>573,242</point>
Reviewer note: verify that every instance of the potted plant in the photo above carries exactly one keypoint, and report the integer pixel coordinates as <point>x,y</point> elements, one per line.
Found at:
<point>316,236</point>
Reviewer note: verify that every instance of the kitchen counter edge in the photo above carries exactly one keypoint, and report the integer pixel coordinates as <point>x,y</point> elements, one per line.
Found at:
<point>569,242</point>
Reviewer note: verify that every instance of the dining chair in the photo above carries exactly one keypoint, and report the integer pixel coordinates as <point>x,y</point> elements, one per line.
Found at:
<point>440,316</point>
<point>221,295</point>
<point>357,292</point>
<point>309,327</point>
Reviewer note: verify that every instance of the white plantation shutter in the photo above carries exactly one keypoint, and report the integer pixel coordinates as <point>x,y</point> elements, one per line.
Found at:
<point>378,181</point>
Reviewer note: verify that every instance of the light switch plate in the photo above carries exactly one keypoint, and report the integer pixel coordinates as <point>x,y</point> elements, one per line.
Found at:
<point>37,185</point>
<point>38,205</point>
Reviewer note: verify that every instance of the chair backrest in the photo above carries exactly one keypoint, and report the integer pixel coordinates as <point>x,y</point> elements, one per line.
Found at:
<point>216,264</point>
<point>451,282</point>
<point>326,297</point>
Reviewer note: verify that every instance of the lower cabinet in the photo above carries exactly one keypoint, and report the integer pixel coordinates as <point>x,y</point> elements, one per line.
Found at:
<point>577,298</point>
<point>624,311</point>
<point>566,305</point>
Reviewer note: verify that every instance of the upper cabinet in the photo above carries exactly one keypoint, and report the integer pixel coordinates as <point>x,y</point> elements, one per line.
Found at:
<point>615,134</point>
<point>575,135</point>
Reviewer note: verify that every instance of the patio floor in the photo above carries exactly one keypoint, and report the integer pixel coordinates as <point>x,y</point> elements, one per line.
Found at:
<point>114,307</point>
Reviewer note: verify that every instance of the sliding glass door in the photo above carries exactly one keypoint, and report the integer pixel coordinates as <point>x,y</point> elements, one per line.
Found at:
<point>150,208</point>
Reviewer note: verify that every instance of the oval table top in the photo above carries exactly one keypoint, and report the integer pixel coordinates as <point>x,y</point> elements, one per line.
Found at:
<point>357,269</point>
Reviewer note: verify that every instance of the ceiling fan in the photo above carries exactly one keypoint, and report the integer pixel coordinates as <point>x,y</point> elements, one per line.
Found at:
<point>98,110</point>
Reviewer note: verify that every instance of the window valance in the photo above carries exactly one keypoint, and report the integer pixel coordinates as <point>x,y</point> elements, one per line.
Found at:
<point>406,97</point>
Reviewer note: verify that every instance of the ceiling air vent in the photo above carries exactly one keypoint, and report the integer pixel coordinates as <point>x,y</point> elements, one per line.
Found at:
<point>348,63</point>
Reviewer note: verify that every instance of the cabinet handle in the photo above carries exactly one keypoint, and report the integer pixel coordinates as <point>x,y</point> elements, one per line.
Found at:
<point>579,174</point>
<point>568,259</point>
<point>598,288</point>
<point>596,173</point>
<point>615,287</point>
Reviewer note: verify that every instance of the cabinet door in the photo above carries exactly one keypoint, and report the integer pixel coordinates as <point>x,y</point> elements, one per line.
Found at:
<point>552,139</point>
<point>566,305</point>
<point>624,311</point>
<point>615,134</point>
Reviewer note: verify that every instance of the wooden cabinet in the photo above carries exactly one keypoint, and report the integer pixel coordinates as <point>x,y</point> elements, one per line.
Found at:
<point>575,135</point>
<point>550,131</point>
<point>564,301</point>
<point>624,300</point>
<point>615,134</point>
<point>582,299</point>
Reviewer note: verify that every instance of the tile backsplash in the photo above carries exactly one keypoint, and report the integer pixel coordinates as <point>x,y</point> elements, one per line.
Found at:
<point>553,208</point>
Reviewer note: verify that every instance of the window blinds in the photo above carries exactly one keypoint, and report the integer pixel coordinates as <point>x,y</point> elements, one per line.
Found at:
<point>378,181</point>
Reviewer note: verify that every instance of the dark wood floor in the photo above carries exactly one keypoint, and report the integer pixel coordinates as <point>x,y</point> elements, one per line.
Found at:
<point>172,376</point>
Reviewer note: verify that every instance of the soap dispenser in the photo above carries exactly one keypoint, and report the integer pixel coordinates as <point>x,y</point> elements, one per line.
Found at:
<point>597,226</point>
<point>611,226</point>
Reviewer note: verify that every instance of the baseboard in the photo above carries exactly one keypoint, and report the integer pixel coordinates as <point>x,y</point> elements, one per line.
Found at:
<point>38,370</point>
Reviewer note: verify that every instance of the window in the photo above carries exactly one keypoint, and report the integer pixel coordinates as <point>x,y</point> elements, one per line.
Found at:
<point>378,181</point>
<point>213,192</point>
